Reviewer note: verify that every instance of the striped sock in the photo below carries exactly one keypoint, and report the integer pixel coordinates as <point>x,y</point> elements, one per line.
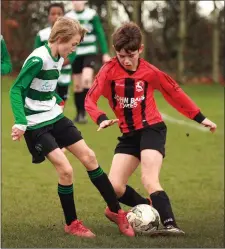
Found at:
<point>104,186</point>
<point>67,201</point>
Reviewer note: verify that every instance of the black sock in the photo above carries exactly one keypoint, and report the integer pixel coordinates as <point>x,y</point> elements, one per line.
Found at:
<point>104,186</point>
<point>83,96</point>
<point>132,198</point>
<point>67,202</point>
<point>78,101</point>
<point>161,202</point>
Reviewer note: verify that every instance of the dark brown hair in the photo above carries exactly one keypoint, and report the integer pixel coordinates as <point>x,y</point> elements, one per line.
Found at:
<point>58,5</point>
<point>127,37</point>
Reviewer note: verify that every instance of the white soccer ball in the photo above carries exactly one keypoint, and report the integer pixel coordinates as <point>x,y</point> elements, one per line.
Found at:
<point>143,218</point>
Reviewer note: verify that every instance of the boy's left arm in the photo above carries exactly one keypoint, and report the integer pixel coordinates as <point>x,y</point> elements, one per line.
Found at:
<point>177,98</point>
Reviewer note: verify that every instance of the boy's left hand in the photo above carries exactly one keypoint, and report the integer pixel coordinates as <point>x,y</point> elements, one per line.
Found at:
<point>208,123</point>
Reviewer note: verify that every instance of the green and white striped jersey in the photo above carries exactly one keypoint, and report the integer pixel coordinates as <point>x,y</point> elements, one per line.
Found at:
<point>65,76</point>
<point>89,19</point>
<point>33,98</point>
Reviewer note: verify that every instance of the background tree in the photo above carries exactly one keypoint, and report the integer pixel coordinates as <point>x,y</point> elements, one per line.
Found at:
<point>182,37</point>
<point>21,21</point>
<point>215,44</point>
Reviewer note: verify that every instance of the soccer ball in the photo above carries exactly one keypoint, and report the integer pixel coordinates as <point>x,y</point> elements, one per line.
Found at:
<point>143,218</point>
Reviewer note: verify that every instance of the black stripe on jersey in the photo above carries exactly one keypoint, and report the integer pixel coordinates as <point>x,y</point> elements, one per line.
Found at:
<point>129,93</point>
<point>113,91</point>
<point>143,106</point>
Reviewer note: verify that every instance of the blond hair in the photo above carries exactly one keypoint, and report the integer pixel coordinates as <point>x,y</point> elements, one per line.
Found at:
<point>65,28</point>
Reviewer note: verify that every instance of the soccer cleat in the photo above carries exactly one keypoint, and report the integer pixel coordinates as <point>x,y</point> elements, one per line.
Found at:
<point>78,229</point>
<point>121,220</point>
<point>168,231</point>
<point>82,120</point>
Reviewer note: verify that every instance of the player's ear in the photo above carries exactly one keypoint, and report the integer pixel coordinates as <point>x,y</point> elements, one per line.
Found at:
<point>140,50</point>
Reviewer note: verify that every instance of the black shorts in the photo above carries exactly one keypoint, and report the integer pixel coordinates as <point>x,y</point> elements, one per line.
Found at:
<point>63,91</point>
<point>152,137</point>
<point>42,141</point>
<point>82,62</point>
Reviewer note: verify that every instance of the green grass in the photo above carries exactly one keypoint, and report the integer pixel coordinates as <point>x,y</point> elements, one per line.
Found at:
<point>193,176</point>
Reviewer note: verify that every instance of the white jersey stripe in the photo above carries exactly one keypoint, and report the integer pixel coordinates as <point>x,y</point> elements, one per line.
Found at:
<point>37,105</point>
<point>36,119</point>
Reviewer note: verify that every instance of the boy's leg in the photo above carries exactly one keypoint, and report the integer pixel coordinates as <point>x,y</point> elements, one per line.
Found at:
<point>65,192</point>
<point>151,161</point>
<point>78,94</point>
<point>89,62</point>
<point>77,67</point>
<point>96,174</point>
<point>43,144</point>
<point>102,183</point>
<point>87,80</point>
<point>68,136</point>
<point>152,153</point>
<point>123,166</point>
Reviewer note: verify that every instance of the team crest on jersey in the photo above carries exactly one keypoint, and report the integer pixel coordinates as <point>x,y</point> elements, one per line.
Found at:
<point>139,86</point>
<point>48,86</point>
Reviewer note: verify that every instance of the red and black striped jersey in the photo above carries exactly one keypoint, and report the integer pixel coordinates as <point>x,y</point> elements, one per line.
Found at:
<point>131,95</point>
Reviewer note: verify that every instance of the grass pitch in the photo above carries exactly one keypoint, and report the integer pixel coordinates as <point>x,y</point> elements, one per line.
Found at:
<point>192,175</point>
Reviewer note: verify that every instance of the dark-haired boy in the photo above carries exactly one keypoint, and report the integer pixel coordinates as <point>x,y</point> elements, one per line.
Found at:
<point>128,83</point>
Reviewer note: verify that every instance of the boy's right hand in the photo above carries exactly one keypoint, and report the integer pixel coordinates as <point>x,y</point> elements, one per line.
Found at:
<point>16,133</point>
<point>107,123</point>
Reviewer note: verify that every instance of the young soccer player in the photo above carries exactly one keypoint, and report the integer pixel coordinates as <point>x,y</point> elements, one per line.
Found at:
<point>38,116</point>
<point>83,66</point>
<point>56,10</point>
<point>6,65</point>
<point>128,83</point>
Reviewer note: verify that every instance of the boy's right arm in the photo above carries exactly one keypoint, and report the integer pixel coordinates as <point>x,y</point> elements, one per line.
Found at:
<point>29,71</point>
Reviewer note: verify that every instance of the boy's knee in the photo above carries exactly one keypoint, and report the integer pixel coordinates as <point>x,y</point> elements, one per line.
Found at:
<point>119,188</point>
<point>89,158</point>
<point>66,174</point>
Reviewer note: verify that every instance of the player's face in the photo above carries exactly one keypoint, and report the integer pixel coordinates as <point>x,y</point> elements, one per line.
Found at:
<point>54,14</point>
<point>66,48</point>
<point>79,5</point>
<point>129,60</point>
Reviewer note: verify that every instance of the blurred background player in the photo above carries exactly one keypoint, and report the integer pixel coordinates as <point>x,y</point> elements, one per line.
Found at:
<point>6,65</point>
<point>39,117</point>
<point>83,66</point>
<point>128,83</point>
<point>56,10</point>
